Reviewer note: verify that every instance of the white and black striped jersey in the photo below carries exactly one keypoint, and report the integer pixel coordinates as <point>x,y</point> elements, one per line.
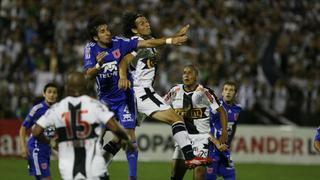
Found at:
<point>144,65</point>
<point>77,121</point>
<point>193,106</point>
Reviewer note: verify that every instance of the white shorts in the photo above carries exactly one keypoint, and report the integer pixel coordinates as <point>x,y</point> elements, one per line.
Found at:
<point>148,101</point>
<point>200,146</point>
<point>94,167</point>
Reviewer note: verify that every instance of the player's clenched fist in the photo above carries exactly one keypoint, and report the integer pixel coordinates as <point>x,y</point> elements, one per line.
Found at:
<point>124,83</point>
<point>100,57</point>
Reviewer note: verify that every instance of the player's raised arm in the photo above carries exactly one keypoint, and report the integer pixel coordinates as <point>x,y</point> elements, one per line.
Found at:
<point>178,38</point>
<point>151,43</point>
<point>124,83</point>
<point>182,31</point>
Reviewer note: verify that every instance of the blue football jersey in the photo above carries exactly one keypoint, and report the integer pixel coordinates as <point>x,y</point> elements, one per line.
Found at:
<point>108,76</point>
<point>35,113</point>
<point>317,136</point>
<point>233,112</point>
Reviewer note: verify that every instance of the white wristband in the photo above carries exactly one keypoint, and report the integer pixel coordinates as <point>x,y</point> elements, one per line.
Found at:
<point>97,66</point>
<point>169,41</point>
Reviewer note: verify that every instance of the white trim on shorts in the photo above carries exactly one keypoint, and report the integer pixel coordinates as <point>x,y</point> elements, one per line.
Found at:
<point>35,161</point>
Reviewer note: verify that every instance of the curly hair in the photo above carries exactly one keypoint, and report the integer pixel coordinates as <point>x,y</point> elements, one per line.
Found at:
<point>92,25</point>
<point>128,23</point>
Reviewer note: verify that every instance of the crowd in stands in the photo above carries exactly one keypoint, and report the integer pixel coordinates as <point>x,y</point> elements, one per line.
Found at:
<point>270,48</point>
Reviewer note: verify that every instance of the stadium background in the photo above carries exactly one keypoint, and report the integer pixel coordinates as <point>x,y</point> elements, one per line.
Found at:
<point>271,48</point>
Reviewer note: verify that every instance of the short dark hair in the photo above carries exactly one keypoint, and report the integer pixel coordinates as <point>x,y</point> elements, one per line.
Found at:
<point>51,84</point>
<point>93,23</point>
<point>193,67</point>
<point>231,83</point>
<point>129,22</point>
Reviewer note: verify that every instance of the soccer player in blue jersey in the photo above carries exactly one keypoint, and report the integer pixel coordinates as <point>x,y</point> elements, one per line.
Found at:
<point>101,61</point>
<point>223,166</point>
<point>317,140</point>
<point>38,153</point>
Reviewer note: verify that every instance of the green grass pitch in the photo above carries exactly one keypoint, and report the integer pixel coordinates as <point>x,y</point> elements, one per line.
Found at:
<point>13,169</point>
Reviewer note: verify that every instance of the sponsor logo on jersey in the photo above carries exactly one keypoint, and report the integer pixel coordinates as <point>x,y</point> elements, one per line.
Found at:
<point>109,69</point>
<point>194,113</point>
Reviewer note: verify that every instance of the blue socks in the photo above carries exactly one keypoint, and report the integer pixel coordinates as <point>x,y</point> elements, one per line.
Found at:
<point>132,158</point>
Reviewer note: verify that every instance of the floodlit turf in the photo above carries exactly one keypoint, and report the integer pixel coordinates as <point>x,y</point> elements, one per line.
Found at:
<point>13,169</point>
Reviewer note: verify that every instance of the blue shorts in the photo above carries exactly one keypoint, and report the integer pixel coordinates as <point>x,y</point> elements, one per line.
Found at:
<point>125,111</point>
<point>223,166</point>
<point>39,161</point>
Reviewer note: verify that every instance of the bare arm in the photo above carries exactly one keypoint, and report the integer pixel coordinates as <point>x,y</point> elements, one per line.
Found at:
<point>216,142</point>
<point>124,83</point>
<point>116,128</point>
<point>178,38</point>
<point>151,43</point>
<point>223,122</point>
<point>182,31</point>
<point>37,132</point>
<point>23,143</point>
<point>92,72</point>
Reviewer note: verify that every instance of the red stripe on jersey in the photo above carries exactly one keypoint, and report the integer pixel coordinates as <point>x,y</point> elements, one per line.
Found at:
<point>209,96</point>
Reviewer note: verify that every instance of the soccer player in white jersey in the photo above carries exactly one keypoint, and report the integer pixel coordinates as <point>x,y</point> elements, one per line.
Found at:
<point>193,102</point>
<point>142,66</point>
<point>76,119</point>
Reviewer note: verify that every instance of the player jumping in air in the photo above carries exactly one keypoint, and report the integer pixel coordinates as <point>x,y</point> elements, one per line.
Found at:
<point>101,61</point>
<point>142,67</point>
